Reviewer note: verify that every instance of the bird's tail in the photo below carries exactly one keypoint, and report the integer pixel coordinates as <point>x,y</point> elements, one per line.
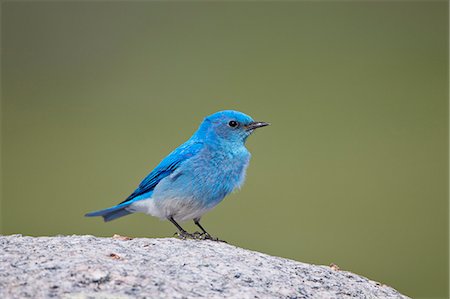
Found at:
<point>112,213</point>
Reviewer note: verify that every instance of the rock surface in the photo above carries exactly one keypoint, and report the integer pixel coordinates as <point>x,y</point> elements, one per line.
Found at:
<point>91,267</point>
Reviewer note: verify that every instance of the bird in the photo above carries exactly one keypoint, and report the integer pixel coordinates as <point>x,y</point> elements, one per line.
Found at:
<point>194,177</point>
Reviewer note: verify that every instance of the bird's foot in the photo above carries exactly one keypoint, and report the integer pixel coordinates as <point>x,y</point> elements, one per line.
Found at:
<point>206,236</point>
<point>183,235</point>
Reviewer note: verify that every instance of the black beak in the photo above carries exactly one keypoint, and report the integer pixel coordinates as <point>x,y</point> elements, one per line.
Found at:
<point>256,125</point>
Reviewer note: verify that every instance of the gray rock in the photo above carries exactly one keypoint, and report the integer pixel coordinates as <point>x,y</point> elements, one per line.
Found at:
<point>90,267</point>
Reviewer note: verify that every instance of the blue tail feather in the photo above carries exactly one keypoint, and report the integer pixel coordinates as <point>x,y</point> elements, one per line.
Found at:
<point>118,211</point>
<point>115,215</point>
<point>111,213</point>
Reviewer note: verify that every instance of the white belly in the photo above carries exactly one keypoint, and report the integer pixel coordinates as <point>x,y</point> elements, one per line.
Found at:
<point>180,209</point>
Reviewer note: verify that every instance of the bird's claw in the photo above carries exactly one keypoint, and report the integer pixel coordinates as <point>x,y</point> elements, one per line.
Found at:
<point>197,236</point>
<point>206,236</point>
<point>184,235</point>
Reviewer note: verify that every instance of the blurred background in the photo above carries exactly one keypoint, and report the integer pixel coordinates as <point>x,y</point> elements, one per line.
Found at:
<point>353,170</point>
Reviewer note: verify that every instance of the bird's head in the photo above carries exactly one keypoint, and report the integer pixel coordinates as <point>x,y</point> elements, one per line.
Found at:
<point>229,125</point>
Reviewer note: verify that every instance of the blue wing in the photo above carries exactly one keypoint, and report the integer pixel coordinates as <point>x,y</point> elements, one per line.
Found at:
<point>184,152</point>
<point>166,167</point>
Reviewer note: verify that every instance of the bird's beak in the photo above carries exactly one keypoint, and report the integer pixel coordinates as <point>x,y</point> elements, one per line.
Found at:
<point>255,125</point>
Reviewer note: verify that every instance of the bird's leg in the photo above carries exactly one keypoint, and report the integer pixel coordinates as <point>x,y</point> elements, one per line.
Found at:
<point>182,234</point>
<point>205,235</point>
<point>197,222</point>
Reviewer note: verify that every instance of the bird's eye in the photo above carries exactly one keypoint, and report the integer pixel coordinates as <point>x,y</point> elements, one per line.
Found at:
<point>233,124</point>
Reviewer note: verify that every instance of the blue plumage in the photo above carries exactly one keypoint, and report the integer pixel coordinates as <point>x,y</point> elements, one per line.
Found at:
<point>196,176</point>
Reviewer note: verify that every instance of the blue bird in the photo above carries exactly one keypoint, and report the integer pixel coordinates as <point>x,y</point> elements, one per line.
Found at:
<point>196,176</point>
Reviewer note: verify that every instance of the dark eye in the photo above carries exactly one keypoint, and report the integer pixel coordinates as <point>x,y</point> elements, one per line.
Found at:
<point>233,124</point>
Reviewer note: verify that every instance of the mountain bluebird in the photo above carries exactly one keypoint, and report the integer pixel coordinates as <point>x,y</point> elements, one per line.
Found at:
<point>196,176</point>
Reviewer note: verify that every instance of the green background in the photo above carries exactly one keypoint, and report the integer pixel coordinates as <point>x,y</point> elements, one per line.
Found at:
<point>353,170</point>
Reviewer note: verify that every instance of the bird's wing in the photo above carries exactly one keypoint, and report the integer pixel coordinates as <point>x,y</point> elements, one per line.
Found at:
<point>166,167</point>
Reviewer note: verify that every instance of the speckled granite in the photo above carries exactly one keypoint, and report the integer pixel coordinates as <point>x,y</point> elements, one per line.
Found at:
<point>91,267</point>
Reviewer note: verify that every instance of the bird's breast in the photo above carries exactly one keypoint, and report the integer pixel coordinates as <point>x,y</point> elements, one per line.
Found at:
<point>209,176</point>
